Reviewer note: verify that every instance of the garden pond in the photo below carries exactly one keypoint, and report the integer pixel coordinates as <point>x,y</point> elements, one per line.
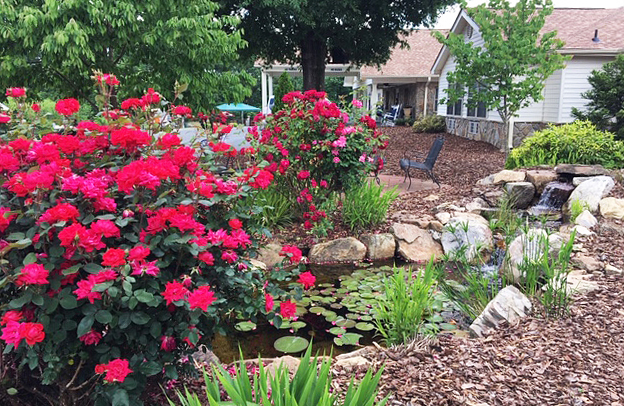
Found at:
<point>337,315</point>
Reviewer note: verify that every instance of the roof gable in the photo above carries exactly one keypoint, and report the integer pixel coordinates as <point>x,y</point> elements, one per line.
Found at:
<point>574,26</point>
<point>409,62</point>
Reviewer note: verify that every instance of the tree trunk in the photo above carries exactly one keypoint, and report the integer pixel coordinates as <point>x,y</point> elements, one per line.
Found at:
<point>313,56</point>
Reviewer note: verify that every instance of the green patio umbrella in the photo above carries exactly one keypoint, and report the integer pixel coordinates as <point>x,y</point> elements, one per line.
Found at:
<point>235,107</point>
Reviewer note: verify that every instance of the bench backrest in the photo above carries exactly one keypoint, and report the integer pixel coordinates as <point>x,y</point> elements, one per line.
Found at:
<point>434,152</point>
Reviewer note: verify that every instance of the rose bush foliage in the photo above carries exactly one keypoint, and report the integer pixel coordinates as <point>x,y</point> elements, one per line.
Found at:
<point>120,249</point>
<point>313,147</point>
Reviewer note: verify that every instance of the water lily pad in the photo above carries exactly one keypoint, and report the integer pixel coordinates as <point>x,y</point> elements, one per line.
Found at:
<point>245,326</point>
<point>366,317</point>
<point>331,317</point>
<point>297,325</point>
<point>336,306</point>
<point>348,339</point>
<point>317,310</point>
<point>346,323</point>
<point>291,344</point>
<point>336,331</point>
<point>353,316</point>
<point>364,326</point>
<point>448,326</point>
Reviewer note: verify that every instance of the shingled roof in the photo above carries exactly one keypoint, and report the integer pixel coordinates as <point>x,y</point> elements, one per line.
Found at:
<point>409,62</point>
<point>576,27</point>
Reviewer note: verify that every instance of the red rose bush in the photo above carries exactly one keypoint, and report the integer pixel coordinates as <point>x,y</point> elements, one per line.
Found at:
<point>313,148</point>
<point>120,249</point>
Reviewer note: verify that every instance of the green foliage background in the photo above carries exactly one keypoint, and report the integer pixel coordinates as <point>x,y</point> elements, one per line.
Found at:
<point>52,47</point>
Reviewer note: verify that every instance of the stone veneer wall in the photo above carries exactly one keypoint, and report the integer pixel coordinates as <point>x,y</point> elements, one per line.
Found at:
<point>493,132</point>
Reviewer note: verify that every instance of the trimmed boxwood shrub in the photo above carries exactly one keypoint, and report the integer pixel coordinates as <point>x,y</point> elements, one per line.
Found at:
<point>430,124</point>
<point>579,142</point>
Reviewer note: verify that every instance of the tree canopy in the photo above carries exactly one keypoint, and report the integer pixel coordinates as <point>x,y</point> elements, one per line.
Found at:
<point>310,32</point>
<point>54,46</point>
<point>508,71</point>
<point>606,98</point>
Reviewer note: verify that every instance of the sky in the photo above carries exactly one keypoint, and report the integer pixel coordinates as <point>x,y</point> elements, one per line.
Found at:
<point>446,20</point>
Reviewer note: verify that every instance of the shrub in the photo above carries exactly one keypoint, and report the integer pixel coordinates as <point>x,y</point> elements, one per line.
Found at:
<point>430,124</point>
<point>309,386</point>
<point>407,299</point>
<point>367,205</point>
<point>119,251</point>
<point>310,146</point>
<point>284,86</point>
<point>579,142</point>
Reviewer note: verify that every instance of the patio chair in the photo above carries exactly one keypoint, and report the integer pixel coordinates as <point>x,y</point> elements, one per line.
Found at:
<point>427,165</point>
<point>390,117</point>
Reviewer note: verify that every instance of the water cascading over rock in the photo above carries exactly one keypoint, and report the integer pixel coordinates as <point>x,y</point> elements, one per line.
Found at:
<point>553,198</point>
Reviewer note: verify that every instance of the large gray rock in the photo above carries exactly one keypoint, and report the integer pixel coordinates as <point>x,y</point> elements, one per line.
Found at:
<point>540,178</point>
<point>509,305</point>
<point>590,192</point>
<point>520,194</point>
<point>610,207</point>
<point>470,231</point>
<point>340,250</point>
<point>379,246</point>
<point>529,247</point>
<point>580,170</point>
<point>269,255</point>
<point>506,176</point>
<point>415,244</point>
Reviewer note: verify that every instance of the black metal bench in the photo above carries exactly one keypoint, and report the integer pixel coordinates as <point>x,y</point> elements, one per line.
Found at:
<point>427,165</point>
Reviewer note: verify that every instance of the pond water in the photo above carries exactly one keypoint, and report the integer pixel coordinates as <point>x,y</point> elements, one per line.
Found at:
<point>337,315</point>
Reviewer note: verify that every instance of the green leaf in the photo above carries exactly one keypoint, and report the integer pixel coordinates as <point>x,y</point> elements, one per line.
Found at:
<point>120,398</point>
<point>31,258</point>
<point>19,302</point>
<point>11,391</point>
<point>140,318</point>
<point>15,236</point>
<point>103,316</point>
<point>85,325</point>
<point>151,368</point>
<point>143,296</point>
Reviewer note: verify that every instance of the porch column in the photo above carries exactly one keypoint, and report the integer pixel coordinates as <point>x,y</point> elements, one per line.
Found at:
<point>373,99</point>
<point>270,84</point>
<point>265,100</point>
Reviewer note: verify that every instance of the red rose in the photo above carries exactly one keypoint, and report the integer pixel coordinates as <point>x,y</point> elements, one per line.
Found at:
<point>32,332</point>
<point>167,343</point>
<point>201,298</point>
<point>138,253</point>
<point>36,107</point>
<point>117,370</point>
<point>235,224</point>
<point>288,309</point>
<point>16,92</point>
<point>307,279</point>
<point>268,302</point>
<point>114,257</point>
<point>4,118</point>
<point>91,338</point>
<point>67,107</point>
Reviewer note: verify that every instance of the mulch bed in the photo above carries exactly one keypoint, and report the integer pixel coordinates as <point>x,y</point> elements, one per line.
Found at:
<point>576,361</point>
<point>460,164</point>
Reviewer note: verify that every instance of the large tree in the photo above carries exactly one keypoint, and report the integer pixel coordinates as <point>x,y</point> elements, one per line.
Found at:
<point>606,98</point>
<point>311,32</point>
<point>55,45</point>
<point>508,71</point>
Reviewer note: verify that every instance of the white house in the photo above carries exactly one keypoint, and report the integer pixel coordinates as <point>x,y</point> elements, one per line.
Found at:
<point>406,78</point>
<point>591,36</point>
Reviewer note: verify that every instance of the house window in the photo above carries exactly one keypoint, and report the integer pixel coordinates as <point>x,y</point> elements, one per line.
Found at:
<point>478,109</point>
<point>456,108</point>
<point>468,32</point>
<point>435,101</point>
<point>450,124</point>
<point>473,127</point>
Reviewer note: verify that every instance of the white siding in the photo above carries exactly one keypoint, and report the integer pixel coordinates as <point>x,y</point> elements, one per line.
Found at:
<point>575,83</point>
<point>552,92</point>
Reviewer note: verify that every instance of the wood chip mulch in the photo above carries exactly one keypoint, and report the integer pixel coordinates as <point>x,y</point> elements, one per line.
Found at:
<point>577,360</point>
